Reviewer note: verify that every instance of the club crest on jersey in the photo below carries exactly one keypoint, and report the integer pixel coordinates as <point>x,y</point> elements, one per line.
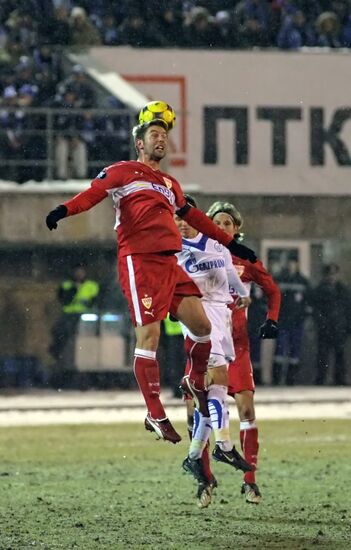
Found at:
<point>165,192</point>
<point>147,302</point>
<point>101,175</point>
<point>240,269</point>
<point>167,182</point>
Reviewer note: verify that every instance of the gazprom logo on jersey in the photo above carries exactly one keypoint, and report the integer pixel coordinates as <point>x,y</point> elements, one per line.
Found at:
<point>166,192</point>
<point>193,267</point>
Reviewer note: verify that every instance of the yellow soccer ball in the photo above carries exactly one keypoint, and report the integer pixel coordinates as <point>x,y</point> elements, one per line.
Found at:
<point>158,110</point>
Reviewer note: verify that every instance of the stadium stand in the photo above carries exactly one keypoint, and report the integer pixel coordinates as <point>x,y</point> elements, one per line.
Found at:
<point>36,73</point>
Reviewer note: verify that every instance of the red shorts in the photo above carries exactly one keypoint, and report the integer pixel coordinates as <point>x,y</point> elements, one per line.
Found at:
<point>240,374</point>
<point>153,284</point>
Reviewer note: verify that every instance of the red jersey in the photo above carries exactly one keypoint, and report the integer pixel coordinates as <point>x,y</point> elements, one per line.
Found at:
<point>145,201</point>
<point>255,273</point>
<point>240,374</point>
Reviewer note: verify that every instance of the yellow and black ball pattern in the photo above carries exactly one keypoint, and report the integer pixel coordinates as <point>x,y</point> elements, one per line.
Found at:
<point>158,110</point>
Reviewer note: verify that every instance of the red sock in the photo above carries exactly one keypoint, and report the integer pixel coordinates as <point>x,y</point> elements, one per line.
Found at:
<point>147,374</point>
<point>205,457</point>
<point>249,445</point>
<point>198,354</point>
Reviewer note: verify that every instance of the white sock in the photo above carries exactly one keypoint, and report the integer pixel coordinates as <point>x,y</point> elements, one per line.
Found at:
<point>201,432</point>
<point>219,413</point>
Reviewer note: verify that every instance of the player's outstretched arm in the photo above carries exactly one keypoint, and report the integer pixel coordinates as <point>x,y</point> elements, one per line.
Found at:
<point>80,203</point>
<point>202,223</point>
<point>261,277</point>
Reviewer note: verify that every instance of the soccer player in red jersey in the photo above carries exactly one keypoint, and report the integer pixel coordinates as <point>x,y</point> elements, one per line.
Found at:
<point>145,199</point>
<point>241,384</point>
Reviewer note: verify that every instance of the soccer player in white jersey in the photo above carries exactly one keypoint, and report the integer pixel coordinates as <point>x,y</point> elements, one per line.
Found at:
<point>210,266</point>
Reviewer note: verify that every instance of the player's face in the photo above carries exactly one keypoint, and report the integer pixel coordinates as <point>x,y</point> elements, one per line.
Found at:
<point>155,143</point>
<point>186,231</point>
<point>226,223</point>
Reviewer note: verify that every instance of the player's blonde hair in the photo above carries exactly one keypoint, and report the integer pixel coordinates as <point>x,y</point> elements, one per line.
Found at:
<point>227,208</point>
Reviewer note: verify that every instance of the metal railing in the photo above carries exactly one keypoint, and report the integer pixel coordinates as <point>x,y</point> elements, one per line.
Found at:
<point>29,138</point>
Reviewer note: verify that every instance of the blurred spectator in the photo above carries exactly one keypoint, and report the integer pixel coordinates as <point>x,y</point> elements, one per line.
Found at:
<point>12,51</point>
<point>83,32</point>
<point>11,134</point>
<point>228,32</point>
<point>108,31</point>
<point>342,9</point>
<point>89,133</point>
<point>79,83</point>
<point>45,58</point>
<point>47,67</point>
<point>214,6</point>
<point>113,139</point>
<point>328,30</point>
<point>295,289</point>
<point>70,148</point>
<point>77,294</point>
<point>135,32</point>
<point>47,84</point>
<point>295,32</point>
<point>201,30</point>
<point>33,143</point>
<point>22,25</point>
<point>22,138</point>
<point>253,23</point>
<point>332,314</point>
<point>24,72</point>
<point>21,135</point>
<point>57,29</point>
<point>169,23</point>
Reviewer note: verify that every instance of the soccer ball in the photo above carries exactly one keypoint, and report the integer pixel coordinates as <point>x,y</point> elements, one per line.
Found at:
<point>158,110</point>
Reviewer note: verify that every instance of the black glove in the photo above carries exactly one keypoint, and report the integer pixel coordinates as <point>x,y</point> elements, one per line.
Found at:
<point>55,215</point>
<point>269,330</point>
<point>242,251</point>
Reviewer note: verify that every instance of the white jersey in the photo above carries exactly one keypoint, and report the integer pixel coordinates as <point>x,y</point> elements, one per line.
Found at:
<point>210,266</point>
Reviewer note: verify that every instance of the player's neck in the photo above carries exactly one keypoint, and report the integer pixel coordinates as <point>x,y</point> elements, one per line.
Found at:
<point>191,233</point>
<point>153,164</point>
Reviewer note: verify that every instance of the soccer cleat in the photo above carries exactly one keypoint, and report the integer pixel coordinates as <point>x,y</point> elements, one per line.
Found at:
<point>205,488</point>
<point>199,396</point>
<point>162,428</point>
<point>233,458</point>
<point>251,492</point>
<point>195,467</point>
<point>204,494</point>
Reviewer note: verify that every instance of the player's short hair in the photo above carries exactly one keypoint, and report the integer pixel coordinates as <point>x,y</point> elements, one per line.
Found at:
<point>190,199</point>
<point>138,131</point>
<point>226,208</point>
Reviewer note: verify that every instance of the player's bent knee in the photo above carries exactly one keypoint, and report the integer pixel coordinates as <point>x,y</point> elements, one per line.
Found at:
<point>202,328</point>
<point>217,375</point>
<point>246,413</point>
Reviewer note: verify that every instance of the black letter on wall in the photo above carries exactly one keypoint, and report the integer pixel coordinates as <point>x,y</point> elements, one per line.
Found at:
<point>321,136</point>
<point>279,117</point>
<point>211,116</point>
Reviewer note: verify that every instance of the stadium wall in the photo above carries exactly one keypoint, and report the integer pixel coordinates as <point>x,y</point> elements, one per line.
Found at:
<point>33,259</point>
<point>249,122</point>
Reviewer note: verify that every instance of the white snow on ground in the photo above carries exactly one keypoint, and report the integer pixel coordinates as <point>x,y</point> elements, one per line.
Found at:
<point>72,407</point>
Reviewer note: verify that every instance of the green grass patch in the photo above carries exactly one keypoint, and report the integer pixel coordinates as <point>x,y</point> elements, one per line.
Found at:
<point>115,487</point>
